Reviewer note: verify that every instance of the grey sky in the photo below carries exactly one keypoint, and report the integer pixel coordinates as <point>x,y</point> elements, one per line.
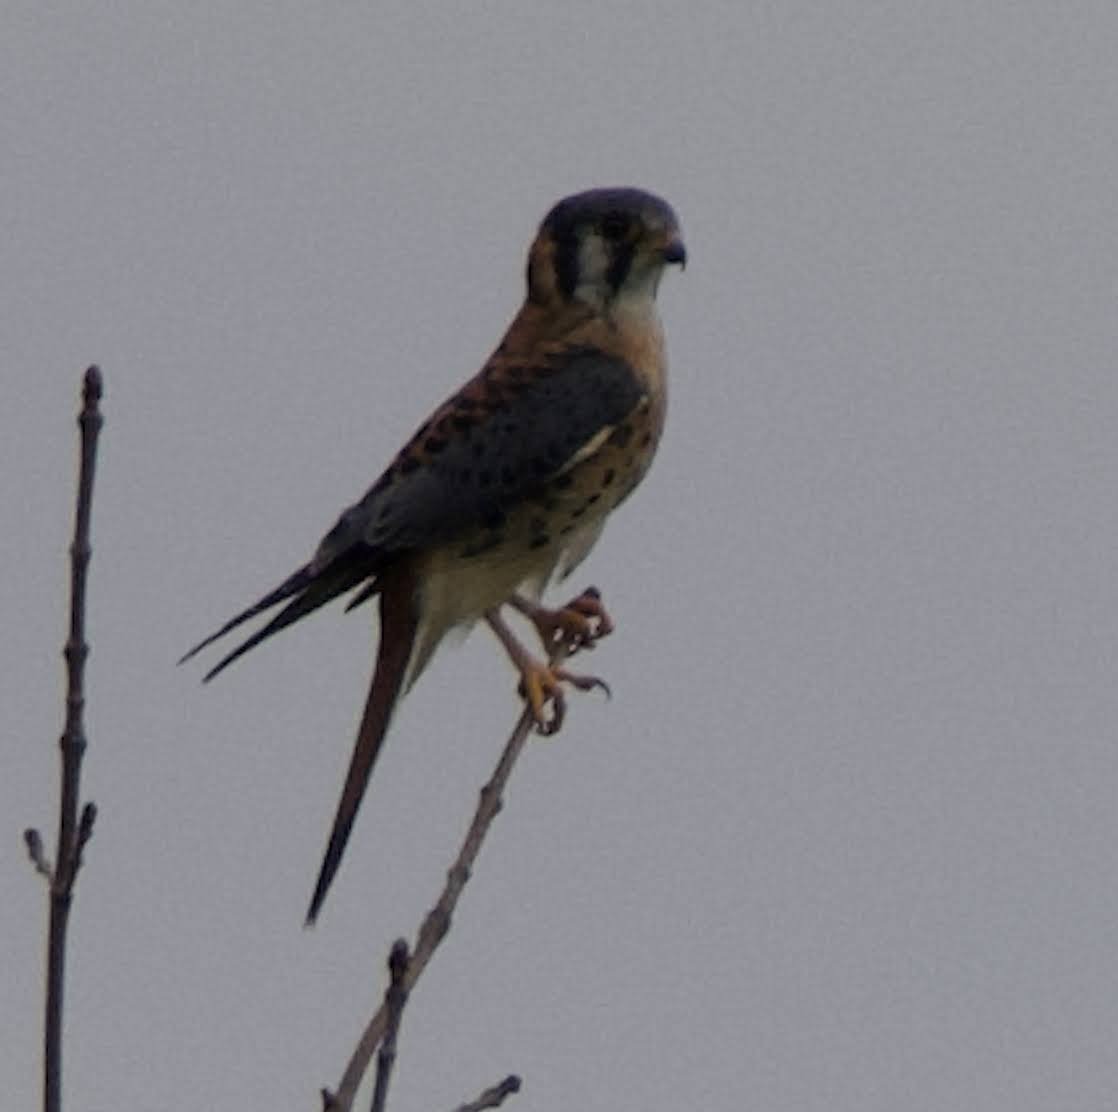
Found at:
<point>844,837</point>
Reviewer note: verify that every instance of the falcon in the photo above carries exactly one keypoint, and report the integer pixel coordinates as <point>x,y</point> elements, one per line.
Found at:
<point>507,486</point>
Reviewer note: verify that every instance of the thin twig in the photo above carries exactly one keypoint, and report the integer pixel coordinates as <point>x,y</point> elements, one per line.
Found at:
<point>34,842</point>
<point>395,997</point>
<point>74,831</point>
<point>494,1097</point>
<point>436,923</point>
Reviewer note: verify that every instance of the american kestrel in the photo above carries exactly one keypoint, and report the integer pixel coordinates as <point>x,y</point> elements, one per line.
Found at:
<point>510,481</point>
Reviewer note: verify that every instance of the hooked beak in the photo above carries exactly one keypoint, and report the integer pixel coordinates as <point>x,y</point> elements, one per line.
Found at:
<point>675,252</point>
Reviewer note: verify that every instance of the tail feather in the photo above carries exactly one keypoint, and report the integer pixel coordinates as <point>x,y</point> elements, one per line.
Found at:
<point>399,623</point>
<point>363,595</point>
<point>309,588</point>
<point>316,594</point>
<point>292,585</point>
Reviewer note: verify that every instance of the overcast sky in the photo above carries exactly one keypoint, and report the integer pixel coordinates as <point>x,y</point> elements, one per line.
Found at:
<point>844,838</point>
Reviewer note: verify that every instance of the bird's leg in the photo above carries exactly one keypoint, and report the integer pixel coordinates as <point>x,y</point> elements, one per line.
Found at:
<point>577,625</point>
<point>541,683</point>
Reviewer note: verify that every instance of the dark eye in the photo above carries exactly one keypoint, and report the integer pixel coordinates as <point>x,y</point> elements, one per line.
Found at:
<point>614,226</point>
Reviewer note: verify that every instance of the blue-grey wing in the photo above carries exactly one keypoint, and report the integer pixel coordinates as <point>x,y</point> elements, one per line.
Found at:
<point>511,432</point>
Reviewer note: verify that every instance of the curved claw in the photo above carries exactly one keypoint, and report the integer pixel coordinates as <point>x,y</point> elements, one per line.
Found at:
<point>575,626</point>
<point>542,687</point>
<point>590,606</point>
<point>583,683</point>
<point>541,684</point>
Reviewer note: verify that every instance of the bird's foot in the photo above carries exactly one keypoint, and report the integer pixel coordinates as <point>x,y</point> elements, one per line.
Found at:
<point>577,625</point>
<point>541,686</point>
<point>541,683</point>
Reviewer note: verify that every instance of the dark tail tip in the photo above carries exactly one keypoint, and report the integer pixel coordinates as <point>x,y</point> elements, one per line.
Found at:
<point>318,898</point>
<point>330,862</point>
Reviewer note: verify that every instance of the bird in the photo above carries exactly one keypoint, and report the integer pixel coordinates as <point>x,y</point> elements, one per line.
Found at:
<point>508,484</point>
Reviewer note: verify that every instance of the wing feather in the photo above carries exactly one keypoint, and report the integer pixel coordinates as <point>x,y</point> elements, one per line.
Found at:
<point>492,446</point>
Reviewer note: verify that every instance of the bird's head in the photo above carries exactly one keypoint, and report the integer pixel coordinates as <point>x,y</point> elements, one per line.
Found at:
<point>605,248</point>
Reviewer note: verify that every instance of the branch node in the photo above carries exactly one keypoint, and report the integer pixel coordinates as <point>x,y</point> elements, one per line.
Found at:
<point>85,826</point>
<point>92,386</point>
<point>398,963</point>
<point>493,1097</point>
<point>395,997</point>
<point>34,842</point>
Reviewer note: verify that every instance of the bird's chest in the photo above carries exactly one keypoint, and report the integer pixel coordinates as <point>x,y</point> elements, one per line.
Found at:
<point>552,528</point>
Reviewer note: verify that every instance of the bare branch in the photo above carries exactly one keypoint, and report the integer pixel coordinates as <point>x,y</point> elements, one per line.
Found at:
<point>395,997</point>
<point>494,1097</point>
<point>436,923</point>
<point>73,831</point>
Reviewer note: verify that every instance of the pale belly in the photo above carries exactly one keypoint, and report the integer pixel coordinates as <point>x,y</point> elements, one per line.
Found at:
<point>544,537</point>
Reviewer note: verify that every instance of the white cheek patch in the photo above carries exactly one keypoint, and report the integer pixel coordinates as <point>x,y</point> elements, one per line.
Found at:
<point>593,266</point>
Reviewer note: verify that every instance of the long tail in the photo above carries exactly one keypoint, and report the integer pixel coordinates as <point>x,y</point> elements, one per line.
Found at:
<point>399,623</point>
<point>311,587</point>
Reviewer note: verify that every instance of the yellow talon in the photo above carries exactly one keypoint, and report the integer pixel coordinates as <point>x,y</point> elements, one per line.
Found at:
<point>575,626</point>
<point>541,685</point>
